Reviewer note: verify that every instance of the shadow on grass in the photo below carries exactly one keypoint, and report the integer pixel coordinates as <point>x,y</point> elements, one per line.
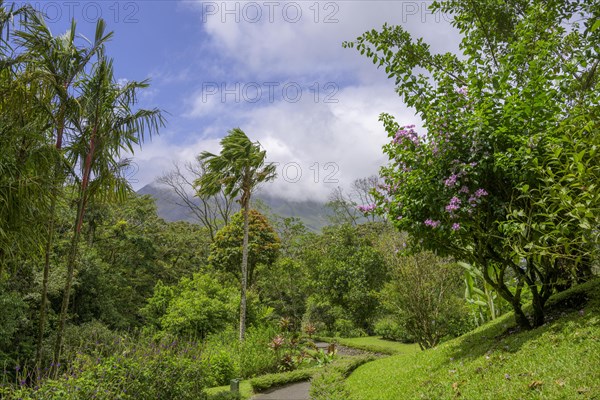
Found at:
<point>576,306</point>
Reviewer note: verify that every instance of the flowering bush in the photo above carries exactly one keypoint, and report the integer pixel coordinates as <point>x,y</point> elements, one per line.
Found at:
<point>481,181</point>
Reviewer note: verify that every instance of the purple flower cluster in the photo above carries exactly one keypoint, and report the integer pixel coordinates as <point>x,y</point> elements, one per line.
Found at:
<point>462,90</point>
<point>451,181</point>
<point>454,205</point>
<point>455,226</point>
<point>432,223</point>
<point>407,132</point>
<point>479,193</point>
<point>367,209</point>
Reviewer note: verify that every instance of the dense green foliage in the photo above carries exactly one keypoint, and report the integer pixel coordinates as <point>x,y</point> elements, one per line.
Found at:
<point>424,296</point>
<point>494,205</point>
<point>200,306</point>
<point>348,272</point>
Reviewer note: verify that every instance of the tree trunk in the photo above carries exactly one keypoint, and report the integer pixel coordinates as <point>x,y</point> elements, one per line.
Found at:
<point>537,303</point>
<point>520,316</point>
<point>44,301</point>
<point>514,299</point>
<point>244,273</point>
<point>67,292</point>
<point>49,243</point>
<point>81,205</point>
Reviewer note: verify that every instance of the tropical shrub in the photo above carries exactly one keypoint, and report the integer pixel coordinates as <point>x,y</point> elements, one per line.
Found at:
<point>145,369</point>
<point>425,297</point>
<point>389,328</point>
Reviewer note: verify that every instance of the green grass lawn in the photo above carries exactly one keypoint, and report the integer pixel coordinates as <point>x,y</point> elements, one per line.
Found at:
<point>376,344</point>
<point>560,360</point>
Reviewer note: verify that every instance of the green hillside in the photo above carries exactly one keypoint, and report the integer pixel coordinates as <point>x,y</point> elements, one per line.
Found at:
<point>560,360</point>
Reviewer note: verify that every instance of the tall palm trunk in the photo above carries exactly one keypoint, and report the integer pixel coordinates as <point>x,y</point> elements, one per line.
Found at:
<point>244,271</point>
<point>50,241</point>
<point>44,300</point>
<point>69,282</point>
<point>81,205</point>
<point>239,168</point>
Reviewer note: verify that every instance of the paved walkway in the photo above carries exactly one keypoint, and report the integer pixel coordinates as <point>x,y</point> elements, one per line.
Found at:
<point>295,391</point>
<point>299,391</point>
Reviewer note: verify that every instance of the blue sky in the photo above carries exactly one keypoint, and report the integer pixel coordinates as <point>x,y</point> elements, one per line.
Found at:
<point>275,69</point>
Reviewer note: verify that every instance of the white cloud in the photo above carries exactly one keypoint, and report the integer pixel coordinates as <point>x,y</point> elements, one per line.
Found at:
<point>307,36</point>
<point>329,143</point>
<point>317,146</point>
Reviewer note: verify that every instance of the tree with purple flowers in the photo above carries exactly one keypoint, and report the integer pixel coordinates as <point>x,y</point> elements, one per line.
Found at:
<point>509,134</point>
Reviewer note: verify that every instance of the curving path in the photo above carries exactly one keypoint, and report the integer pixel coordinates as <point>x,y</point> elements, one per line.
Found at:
<point>295,391</point>
<point>300,390</point>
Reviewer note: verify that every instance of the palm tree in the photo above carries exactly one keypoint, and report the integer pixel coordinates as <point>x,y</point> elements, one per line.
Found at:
<point>58,63</point>
<point>23,157</point>
<point>105,124</point>
<point>238,170</point>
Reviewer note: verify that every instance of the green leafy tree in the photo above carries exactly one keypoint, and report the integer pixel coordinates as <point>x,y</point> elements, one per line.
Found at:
<point>483,183</point>
<point>347,271</point>
<point>202,306</point>
<point>284,285</point>
<point>25,157</point>
<point>227,248</point>
<point>126,249</point>
<point>238,170</point>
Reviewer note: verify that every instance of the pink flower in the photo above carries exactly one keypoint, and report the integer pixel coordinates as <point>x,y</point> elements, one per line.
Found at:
<point>431,223</point>
<point>480,193</point>
<point>366,209</point>
<point>455,226</point>
<point>454,205</point>
<point>408,133</point>
<point>451,181</point>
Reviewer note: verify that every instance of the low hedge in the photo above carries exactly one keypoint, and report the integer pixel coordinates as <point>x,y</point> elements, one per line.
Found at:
<point>328,384</point>
<point>269,381</point>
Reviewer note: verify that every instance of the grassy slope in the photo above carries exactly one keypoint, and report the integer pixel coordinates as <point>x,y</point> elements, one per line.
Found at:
<point>560,360</point>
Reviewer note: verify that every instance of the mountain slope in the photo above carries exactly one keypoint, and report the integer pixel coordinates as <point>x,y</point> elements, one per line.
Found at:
<point>313,214</point>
